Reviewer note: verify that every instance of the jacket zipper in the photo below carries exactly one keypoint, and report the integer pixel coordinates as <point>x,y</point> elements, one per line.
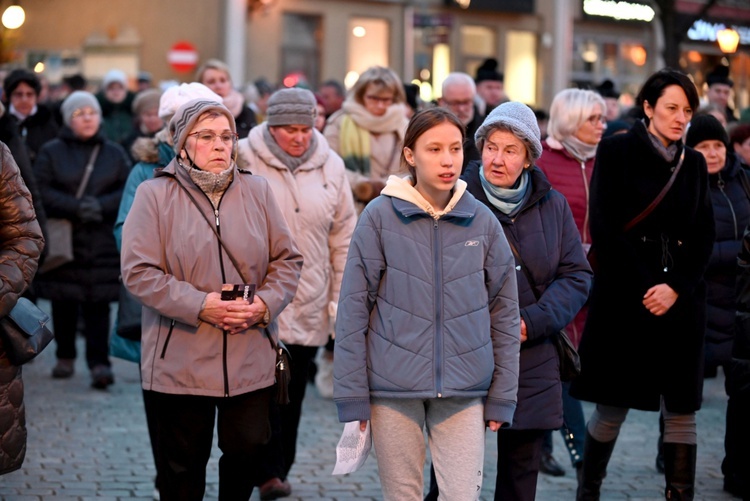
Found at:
<point>438,311</point>
<point>225,370</point>
<point>224,332</point>
<point>731,207</point>
<point>166,343</point>
<point>584,235</point>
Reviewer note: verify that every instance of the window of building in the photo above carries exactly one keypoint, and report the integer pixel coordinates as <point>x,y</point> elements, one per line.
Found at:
<point>300,52</point>
<point>368,46</point>
<point>596,58</point>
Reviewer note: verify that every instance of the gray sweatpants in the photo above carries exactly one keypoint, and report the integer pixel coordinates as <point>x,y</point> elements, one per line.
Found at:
<point>455,430</point>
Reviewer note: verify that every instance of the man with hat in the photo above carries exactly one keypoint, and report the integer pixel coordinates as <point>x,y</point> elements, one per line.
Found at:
<point>490,86</point>
<point>719,90</point>
<point>309,181</point>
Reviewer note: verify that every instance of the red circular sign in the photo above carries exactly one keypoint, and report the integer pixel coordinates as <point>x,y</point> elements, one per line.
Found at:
<point>183,57</point>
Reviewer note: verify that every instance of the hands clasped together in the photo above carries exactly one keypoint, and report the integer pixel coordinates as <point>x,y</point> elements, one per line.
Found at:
<point>232,316</point>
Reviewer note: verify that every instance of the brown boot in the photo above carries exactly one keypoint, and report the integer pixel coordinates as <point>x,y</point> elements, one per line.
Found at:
<point>64,369</point>
<point>679,471</point>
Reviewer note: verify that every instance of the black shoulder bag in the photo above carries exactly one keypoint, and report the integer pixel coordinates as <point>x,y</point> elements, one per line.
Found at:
<point>283,373</point>
<point>570,362</point>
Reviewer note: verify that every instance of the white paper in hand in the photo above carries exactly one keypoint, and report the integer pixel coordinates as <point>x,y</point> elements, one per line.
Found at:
<point>352,449</point>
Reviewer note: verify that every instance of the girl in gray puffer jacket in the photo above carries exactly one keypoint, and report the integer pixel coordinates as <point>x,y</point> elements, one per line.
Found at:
<point>428,324</point>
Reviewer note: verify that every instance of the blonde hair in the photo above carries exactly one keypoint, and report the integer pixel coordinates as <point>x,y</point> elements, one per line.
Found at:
<point>212,64</point>
<point>383,79</point>
<point>570,109</point>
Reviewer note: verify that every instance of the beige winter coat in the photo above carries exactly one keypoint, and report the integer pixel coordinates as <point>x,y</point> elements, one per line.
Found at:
<point>317,203</point>
<point>171,261</point>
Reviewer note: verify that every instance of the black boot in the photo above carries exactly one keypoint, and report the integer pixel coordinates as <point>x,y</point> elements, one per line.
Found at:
<point>595,459</point>
<point>660,446</point>
<point>679,471</point>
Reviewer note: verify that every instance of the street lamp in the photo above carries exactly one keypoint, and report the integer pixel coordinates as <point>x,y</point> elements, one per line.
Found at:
<point>728,40</point>
<point>14,16</point>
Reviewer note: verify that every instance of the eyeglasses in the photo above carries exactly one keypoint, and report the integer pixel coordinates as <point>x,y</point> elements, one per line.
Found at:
<point>597,119</point>
<point>387,101</point>
<point>84,113</point>
<point>209,136</point>
<point>459,104</point>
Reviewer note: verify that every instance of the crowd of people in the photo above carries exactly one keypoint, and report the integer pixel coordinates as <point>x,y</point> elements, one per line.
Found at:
<point>423,257</point>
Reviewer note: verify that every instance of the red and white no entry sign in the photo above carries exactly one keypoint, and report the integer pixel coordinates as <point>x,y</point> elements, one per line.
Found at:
<point>182,57</point>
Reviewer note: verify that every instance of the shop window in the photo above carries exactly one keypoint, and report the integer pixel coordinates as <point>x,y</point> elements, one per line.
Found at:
<point>368,46</point>
<point>596,58</point>
<point>520,66</point>
<point>300,61</point>
<point>477,44</point>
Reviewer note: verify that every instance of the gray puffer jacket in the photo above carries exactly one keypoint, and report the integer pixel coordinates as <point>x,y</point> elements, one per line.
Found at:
<point>428,306</point>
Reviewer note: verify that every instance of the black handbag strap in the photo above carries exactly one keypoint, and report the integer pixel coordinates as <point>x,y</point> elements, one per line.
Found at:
<point>234,261</point>
<point>640,217</point>
<point>87,172</point>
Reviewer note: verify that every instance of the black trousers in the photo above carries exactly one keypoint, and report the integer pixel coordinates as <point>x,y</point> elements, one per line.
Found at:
<point>282,448</point>
<point>95,329</point>
<point>185,425</point>
<point>519,453</point>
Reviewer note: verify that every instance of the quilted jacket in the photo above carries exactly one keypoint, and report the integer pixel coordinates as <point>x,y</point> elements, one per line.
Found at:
<point>21,244</point>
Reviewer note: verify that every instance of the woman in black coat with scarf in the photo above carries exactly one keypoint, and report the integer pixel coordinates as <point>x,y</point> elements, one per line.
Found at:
<point>642,347</point>
<point>91,281</point>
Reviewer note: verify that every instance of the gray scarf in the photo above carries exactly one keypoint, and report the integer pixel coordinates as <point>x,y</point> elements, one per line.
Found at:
<point>285,158</point>
<point>506,200</point>
<point>213,185</point>
<point>580,150</point>
<point>666,152</point>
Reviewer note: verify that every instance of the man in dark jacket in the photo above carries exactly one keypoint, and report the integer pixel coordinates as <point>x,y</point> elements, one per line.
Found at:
<point>737,440</point>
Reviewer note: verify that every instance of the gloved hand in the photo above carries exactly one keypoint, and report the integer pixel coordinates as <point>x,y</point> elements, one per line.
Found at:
<point>364,191</point>
<point>90,210</point>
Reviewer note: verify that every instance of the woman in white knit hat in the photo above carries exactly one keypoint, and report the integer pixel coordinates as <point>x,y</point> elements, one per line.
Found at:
<point>200,224</point>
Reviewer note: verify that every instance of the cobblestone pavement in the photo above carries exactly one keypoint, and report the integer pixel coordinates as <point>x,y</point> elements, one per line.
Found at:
<point>85,443</point>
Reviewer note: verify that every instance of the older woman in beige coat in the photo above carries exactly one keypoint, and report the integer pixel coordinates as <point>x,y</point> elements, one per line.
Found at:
<point>309,181</point>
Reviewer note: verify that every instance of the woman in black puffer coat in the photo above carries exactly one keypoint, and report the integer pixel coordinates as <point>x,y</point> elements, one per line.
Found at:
<point>729,195</point>
<point>20,246</point>
<point>91,281</point>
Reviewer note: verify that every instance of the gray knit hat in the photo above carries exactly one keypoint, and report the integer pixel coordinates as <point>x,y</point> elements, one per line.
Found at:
<point>187,115</point>
<point>520,119</point>
<point>75,101</point>
<point>291,107</point>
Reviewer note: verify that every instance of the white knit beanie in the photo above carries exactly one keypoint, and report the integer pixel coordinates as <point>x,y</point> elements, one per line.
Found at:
<point>188,114</point>
<point>113,76</point>
<point>176,96</point>
<point>520,119</point>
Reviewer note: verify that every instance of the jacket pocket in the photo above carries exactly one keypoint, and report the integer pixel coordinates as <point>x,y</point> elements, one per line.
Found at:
<point>166,343</point>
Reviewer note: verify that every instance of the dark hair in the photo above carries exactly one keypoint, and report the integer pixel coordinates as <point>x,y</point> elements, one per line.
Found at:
<point>75,82</point>
<point>412,93</point>
<point>654,87</point>
<point>335,84</point>
<point>421,122</point>
<point>740,134</point>
<point>17,77</point>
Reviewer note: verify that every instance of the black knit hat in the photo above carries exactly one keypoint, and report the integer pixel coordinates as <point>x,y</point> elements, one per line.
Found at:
<point>705,128</point>
<point>719,75</point>
<point>18,76</point>
<point>607,89</point>
<point>488,71</point>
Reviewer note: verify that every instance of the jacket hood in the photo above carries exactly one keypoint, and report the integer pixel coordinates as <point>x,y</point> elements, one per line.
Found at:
<point>401,188</point>
<point>152,150</point>
<point>258,145</point>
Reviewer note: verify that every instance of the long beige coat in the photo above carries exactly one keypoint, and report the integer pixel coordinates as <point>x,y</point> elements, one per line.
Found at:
<point>317,203</point>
